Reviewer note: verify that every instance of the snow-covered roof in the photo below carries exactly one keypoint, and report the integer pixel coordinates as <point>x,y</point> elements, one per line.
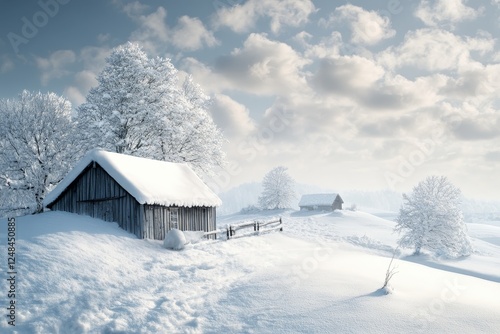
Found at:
<point>148,181</point>
<point>317,199</point>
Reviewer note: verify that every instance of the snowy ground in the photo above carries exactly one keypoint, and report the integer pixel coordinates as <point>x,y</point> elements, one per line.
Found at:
<point>321,275</point>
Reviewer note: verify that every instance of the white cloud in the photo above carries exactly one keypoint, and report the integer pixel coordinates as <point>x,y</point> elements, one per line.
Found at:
<point>303,38</point>
<point>191,34</point>
<point>82,83</point>
<point>347,74</point>
<point>54,67</point>
<point>152,29</point>
<point>86,80</point>
<point>480,127</point>
<point>243,17</point>
<point>476,84</point>
<point>435,50</point>
<point>367,27</point>
<point>327,47</point>
<point>434,13</point>
<point>102,38</point>
<point>6,64</point>
<point>232,117</point>
<point>133,9</point>
<point>367,85</point>
<point>94,58</point>
<point>204,75</point>
<point>263,67</point>
<point>74,95</point>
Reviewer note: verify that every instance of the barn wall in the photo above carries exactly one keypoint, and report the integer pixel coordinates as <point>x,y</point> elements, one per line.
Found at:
<point>157,220</point>
<point>95,193</point>
<point>338,203</point>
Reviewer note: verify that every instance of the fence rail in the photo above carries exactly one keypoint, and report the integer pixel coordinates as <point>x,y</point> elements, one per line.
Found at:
<point>258,226</point>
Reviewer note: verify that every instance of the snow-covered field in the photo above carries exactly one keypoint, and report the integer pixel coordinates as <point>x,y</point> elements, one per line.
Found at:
<point>321,275</point>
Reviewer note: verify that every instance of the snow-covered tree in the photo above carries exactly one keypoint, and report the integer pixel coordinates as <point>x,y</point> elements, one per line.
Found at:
<point>37,147</point>
<point>278,191</point>
<point>430,218</point>
<point>140,108</point>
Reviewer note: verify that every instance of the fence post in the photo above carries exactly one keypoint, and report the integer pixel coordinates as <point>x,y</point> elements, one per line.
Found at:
<point>227,232</point>
<point>281,224</point>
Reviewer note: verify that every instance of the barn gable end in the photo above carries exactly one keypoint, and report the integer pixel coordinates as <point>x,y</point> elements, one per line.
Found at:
<point>96,194</point>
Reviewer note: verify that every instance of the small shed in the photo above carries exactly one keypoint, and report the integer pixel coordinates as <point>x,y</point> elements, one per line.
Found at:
<point>326,202</point>
<point>145,197</point>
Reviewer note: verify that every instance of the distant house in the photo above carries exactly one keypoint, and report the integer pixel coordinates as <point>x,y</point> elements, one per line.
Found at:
<point>327,202</point>
<point>145,197</point>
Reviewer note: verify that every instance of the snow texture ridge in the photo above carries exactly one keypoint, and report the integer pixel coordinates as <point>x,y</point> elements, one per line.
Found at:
<point>84,275</point>
<point>148,181</point>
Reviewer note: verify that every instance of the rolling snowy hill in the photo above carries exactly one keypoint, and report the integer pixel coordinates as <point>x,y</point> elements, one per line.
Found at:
<point>321,275</point>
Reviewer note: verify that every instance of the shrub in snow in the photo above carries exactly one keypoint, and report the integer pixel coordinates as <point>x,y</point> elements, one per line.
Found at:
<point>174,239</point>
<point>430,218</point>
<point>278,190</point>
<point>389,274</point>
<point>353,207</point>
<point>388,289</point>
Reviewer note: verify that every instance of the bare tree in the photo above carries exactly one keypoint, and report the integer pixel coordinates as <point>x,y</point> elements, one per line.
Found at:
<point>390,272</point>
<point>37,147</point>
<point>278,190</point>
<point>430,218</point>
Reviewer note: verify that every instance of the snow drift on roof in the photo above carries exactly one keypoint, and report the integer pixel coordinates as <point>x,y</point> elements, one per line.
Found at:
<point>148,181</point>
<point>317,199</point>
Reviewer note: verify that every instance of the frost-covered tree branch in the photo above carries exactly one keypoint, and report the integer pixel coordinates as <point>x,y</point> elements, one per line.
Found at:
<point>431,218</point>
<point>37,147</point>
<point>140,108</point>
<point>278,190</point>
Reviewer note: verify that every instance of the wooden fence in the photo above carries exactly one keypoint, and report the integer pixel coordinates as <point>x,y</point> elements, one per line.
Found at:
<point>258,226</point>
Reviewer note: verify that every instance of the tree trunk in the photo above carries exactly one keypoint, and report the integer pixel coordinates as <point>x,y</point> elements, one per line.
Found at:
<point>39,204</point>
<point>417,250</point>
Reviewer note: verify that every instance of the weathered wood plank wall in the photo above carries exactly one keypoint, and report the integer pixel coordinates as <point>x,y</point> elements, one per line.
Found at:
<point>95,193</point>
<point>157,220</point>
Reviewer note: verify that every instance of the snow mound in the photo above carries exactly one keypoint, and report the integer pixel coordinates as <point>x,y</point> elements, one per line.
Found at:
<point>193,237</point>
<point>174,239</point>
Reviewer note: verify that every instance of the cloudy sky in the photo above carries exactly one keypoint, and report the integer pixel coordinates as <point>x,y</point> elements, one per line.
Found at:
<point>349,95</point>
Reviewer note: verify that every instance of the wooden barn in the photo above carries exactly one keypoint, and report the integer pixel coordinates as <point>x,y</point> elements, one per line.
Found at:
<point>326,202</point>
<point>145,197</point>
